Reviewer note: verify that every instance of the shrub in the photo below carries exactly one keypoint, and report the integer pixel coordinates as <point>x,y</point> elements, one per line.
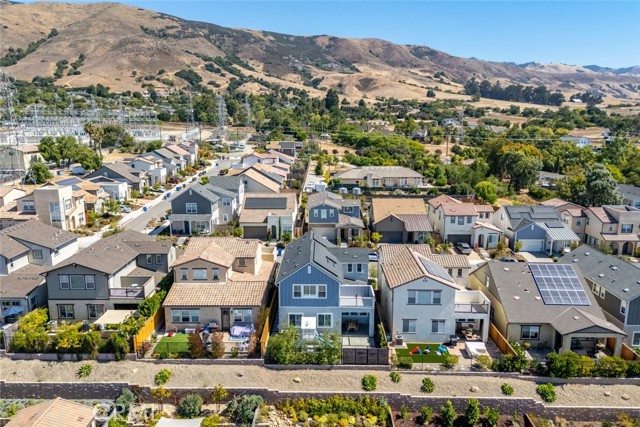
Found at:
<point>633,369</point>
<point>189,406</point>
<point>404,412</point>
<point>219,393</point>
<point>395,377</point>
<point>85,370</point>
<point>483,363</point>
<point>212,421</point>
<point>569,365</point>
<point>472,412</point>
<point>448,414</point>
<point>364,405</point>
<point>216,351</point>
<point>162,377</point>
<point>120,346</point>
<point>450,361</point>
<point>612,367</point>
<point>125,400</point>
<point>426,412</point>
<point>507,390</point>
<point>513,363</point>
<point>91,343</point>
<point>196,347</point>
<point>492,415</point>
<point>242,408</point>
<point>427,385</point>
<point>303,416</point>
<point>369,382</point>
<point>547,392</point>
<point>405,363</point>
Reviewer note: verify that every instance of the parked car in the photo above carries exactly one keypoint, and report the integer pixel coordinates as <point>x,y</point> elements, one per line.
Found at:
<point>463,248</point>
<point>373,256</point>
<point>310,187</point>
<point>505,259</point>
<point>223,172</point>
<point>124,208</point>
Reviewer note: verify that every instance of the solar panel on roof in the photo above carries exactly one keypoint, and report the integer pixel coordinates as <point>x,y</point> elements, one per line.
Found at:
<point>436,269</point>
<point>559,284</point>
<point>266,203</point>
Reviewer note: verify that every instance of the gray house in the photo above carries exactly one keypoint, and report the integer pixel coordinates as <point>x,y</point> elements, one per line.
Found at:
<point>323,288</point>
<point>230,189</point>
<point>615,285</point>
<point>630,195</point>
<point>117,272</point>
<point>118,171</point>
<point>194,209</point>
<point>334,217</point>
<point>539,228</point>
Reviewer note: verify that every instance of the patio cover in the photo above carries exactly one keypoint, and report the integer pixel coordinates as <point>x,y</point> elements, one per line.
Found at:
<point>558,233</point>
<point>113,317</point>
<point>170,422</point>
<point>11,311</point>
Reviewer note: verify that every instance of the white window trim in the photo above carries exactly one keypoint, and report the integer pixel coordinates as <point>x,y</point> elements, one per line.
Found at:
<point>633,339</point>
<point>330,322</point>
<point>432,292</point>
<point>158,259</point>
<point>415,331</point>
<point>149,259</point>
<point>444,326</point>
<point>35,251</point>
<point>295,314</point>
<point>522,337</point>
<point>191,205</point>
<point>184,274</point>
<point>316,295</point>
<point>623,308</point>
<point>193,274</point>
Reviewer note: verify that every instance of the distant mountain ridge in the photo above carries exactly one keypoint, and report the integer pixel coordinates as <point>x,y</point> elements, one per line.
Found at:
<point>124,47</point>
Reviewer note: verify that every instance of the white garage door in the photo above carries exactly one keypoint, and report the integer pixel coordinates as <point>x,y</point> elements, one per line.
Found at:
<point>529,245</point>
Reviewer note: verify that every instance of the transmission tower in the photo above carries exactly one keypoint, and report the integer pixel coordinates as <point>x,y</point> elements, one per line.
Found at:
<point>222,116</point>
<point>461,127</point>
<point>247,110</point>
<point>11,135</point>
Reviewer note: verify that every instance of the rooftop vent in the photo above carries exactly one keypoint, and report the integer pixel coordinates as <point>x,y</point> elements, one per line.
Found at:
<point>587,253</point>
<point>506,268</point>
<point>516,297</point>
<point>600,275</point>
<point>576,318</point>
<point>626,289</point>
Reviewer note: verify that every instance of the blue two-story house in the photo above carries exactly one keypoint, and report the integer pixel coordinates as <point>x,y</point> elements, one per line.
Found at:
<point>334,217</point>
<point>322,287</point>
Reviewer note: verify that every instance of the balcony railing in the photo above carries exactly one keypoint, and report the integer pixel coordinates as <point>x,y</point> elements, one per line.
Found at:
<point>127,293</point>
<point>356,301</point>
<point>470,308</point>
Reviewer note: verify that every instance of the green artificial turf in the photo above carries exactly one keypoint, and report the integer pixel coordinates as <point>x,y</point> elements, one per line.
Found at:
<point>418,358</point>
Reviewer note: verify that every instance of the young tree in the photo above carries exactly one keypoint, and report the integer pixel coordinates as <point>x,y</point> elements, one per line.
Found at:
<point>472,412</point>
<point>219,393</point>
<point>38,174</point>
<point>161,394</point>
<point>448,414</point>
<point>196,347</point>
<point>332,100</point>
<point>217,345</point>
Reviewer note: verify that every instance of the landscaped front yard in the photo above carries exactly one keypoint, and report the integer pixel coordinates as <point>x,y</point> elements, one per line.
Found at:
<point>431,357</point>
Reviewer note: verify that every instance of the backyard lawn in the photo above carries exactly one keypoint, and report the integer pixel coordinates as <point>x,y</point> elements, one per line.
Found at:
<point>432,357</point>
<point>175,344</point>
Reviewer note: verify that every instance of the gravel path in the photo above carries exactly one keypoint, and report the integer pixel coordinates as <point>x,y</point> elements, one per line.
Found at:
<point>317,380</point>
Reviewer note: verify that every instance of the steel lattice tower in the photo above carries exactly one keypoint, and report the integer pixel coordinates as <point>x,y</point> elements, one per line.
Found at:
<point>222,116</point>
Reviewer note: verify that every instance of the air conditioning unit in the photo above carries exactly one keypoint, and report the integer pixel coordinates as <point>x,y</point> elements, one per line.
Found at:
<point>357,190</point>
<point>52,325</point>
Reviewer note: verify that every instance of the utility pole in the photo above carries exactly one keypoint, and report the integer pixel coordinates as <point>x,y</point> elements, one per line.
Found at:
<point>222,116</point>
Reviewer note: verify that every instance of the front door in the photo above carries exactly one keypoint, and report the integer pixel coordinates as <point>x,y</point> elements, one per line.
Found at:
<point>226,319</point>
<point>481,240</point>
<point>187,228</point>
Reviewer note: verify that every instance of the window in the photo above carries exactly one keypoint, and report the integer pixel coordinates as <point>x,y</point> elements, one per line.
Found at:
<point>460,220</point>
<point>623,307</point>
<point>7,304</point>
<point>226,202</point>
<point>309,291</point>
<point>331,213</point>
<point>636,339</point>
<point>64,281</point>
<point>603,292</point>
<point>408,326</point>
<point>530,332</point>
<point>579,221</point>
<point>67,204</point>
<point>596,289</point>
<point>359,268</point>
<point>225,218</point>
<point>65,311</point>
<point>242,262</point>
<point>453,220</point>
<point>191,208</point>
<point>437,326</point>
<point>295,319</point>
<point>459,272</point>
<point>28,206</point>
<point>626,228</point>
<point>183,274</point>
<point>450,271</point>
<point>199,273</point>
<point>347,209</point>
<point>185,316</point>
<point>200,225</point>
<point>325,320</point>
<point>323,214</point>
<point>158,259</point>
<point>468,220</point>
<point>242,315</point>
<point>425,297</point>
<point>216,274</point>
<point>149,259</point>
<point>486,281</point>
<point>637,205</point>
<point>95,310</point>
<point>315,213</point>
<point>350,268</point>
<point>36,253</point>
<point>54,211</point>
<point>90,281</point>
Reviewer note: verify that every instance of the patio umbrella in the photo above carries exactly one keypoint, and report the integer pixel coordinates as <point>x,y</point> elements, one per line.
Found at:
<point>13,310</point>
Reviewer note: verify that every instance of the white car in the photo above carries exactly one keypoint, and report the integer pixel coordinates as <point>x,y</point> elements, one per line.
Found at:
<point>125,209</point>
<point>310,187</point>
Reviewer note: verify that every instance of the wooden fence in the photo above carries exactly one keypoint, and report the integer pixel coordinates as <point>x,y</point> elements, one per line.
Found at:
<point>269,321</point>
<point>628,353</point>
<point>150,326</point>
<point>365,356</point>
<point>500,341</point>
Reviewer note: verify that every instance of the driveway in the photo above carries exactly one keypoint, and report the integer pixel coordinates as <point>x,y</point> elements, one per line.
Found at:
<point>535,257</point>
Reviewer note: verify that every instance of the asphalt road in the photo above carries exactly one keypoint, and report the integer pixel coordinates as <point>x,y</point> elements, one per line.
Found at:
<point>160,207</point>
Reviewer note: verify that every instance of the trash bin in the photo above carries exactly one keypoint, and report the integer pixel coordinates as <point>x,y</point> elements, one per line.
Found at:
<point>144,209</point>
<point>453,341</point>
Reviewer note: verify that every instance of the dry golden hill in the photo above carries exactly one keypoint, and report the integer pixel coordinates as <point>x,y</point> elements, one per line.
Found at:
<point>123,44</point>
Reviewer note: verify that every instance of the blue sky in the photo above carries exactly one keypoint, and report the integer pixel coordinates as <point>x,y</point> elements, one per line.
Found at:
<point>605,33</point>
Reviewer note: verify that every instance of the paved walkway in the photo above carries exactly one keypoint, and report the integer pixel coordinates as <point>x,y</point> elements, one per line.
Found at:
<point>338,381</point>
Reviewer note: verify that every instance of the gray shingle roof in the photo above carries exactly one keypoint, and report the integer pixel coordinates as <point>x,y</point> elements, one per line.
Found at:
<point>21,282</point>
<point>229,183</point>
<point>630,192</point>
<point>311,249</point>
<point>331,199</point>
<point>10,247</point>
<point>618,275</point>
<point>34,231</point>
<point>120,169</point>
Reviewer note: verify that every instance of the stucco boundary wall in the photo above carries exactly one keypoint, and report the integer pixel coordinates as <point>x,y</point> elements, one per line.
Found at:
<point>11,390</point>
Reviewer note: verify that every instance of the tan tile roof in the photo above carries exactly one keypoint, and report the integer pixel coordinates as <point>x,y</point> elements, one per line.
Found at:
<point>261,179</point>
<point>383,207</point>
<point>480,224</point>
<point>206,249</point>
<point>6,190</point>
<point>403,265</point>
<point>270,169</point>
<point>555,202</point>
<point>391,249</point>
<point>443,198</point>
<point>233,294</point>
<point>54,413</point>
<point>177,149</point>
<point>602,215</point>
<point>28,149</point>
<point>10,212</point>
<point>451,261</point>
<point>453,206</point>
<point>260,155</point>
<point>239,248</point>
